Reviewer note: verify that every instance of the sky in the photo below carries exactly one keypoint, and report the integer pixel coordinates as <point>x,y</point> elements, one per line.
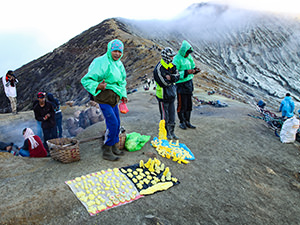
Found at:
<point>29,29</point>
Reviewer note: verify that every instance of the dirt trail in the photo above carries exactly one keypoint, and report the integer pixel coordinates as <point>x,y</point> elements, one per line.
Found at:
<point>242,174</point>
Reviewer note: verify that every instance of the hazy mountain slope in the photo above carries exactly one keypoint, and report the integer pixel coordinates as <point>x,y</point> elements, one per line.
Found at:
<point>244,54</point>
<point>260,51</point>
<point>60,71</point>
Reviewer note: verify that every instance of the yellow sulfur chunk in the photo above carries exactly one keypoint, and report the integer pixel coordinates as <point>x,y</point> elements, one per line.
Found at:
<point>162,134</point>
<point>157,162</point>
<point>109,170</point>
<point>174,179</point>
<point>78,179</point>
<point>163,178</point>
<point>156,187</point>
<point>139,177</point>
<point>92,210</point>
<point>168,176</point>
<point>140,170</point>
<point>101,207</point>
<point>162,167</point>
<point>130,175</point>
<point>141,163</point>
<point>129,170</point>
<point>166,171</point>
<point>148,163</point>
<point>90,203</point>
<point>69,182</point>
<point>135,173</point>
<point>123,171</point>
<point>151,168</point>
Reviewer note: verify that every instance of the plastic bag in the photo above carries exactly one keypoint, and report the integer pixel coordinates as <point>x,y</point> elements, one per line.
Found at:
<point>123,108</point>
<point>135,141</point>
<point>289,130</point>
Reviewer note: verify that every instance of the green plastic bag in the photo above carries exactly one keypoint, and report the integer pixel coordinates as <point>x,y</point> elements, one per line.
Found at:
<point>135,141</point>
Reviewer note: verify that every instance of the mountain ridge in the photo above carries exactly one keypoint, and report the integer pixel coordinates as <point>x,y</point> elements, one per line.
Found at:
<point>248,55</point>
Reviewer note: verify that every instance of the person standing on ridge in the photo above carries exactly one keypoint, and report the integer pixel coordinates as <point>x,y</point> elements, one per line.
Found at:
<point>106,81</point>
<point>58,114</point>
<point>9,82</point>
<point>186,67</point>
<point>287,106</point>
<point>44,112</point>
<point>166,75</point>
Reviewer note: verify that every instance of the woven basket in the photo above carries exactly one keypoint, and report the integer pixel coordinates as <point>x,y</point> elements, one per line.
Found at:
<point>122,139</point>
<point>65,150</point>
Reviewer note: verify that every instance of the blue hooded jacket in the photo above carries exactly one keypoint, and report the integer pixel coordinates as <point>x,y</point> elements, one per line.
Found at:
<point>287,107</point>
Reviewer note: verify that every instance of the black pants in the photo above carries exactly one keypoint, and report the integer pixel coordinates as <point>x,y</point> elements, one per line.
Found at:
<point>184,106</point>
<point>167,111</point>
<point>49,133</point>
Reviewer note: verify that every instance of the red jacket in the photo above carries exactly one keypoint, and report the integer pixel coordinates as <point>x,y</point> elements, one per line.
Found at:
<point>39,151</point>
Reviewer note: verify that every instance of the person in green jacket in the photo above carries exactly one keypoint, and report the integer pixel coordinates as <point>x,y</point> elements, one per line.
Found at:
<point>186,66</point>
<point>106,82</point>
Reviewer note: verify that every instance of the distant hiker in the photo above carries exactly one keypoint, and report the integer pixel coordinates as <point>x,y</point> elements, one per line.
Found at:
<point>166,75</point>
<point>186,67</point>
<point>148,82</point>
<point>38,123</point>
<point>44,112</point>
<point>58,114</point>
<point>106,81</point>
<point>287,106</point>
<point>33,146</point>
<point>9,82</point>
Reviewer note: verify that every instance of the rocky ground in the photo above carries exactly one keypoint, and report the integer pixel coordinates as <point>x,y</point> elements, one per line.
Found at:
<point>242,173</point>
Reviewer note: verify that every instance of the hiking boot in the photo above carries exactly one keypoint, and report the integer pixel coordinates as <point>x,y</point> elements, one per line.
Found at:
<point>108,154</point>
<point>182,126</point>
<point>116,150</point>
<point>189,125</point>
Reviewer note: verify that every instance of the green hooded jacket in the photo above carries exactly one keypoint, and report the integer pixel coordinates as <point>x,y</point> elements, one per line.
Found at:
<point>106,68</point>
<point>182,63</point>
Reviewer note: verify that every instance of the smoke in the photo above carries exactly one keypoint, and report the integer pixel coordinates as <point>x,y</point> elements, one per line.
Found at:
<point>205,21</point>
<point>12,128</point>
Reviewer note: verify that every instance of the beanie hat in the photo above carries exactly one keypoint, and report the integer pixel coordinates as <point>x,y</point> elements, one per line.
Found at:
<point>117,45</point>
<point>166,55</point>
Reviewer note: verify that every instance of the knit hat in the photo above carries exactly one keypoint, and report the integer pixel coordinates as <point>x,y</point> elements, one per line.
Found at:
<point>117,45</point>
<point>166,54</point>
<point>41,95</point>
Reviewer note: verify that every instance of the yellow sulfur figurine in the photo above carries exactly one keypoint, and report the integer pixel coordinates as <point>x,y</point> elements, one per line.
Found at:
<point>162,135</point>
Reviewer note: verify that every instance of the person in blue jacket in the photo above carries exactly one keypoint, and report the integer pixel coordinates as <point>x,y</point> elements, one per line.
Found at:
<point>287,106</point>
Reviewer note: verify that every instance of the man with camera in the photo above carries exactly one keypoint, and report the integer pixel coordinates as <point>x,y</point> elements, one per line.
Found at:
<point>9,83</point>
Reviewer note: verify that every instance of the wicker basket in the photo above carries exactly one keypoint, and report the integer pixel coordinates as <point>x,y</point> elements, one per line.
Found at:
<point>65,150</point>
<point>122,139</point>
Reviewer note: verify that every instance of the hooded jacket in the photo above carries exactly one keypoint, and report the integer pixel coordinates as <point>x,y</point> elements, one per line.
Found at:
<point>185,83</point>
<point>106,68</point>
<point>166,89</point>
<point>287,107</point>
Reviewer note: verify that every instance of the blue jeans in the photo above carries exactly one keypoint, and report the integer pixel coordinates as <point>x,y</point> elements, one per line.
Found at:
<point>39,129</point>
<point>112,120</point>
<point>58,120</point>
<point>24,153</point>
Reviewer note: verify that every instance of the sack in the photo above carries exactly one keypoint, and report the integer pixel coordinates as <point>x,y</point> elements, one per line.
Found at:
<point>135,141</point>
<point>123,108</point>
<point>107,96</point>
<point>289,130</point>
